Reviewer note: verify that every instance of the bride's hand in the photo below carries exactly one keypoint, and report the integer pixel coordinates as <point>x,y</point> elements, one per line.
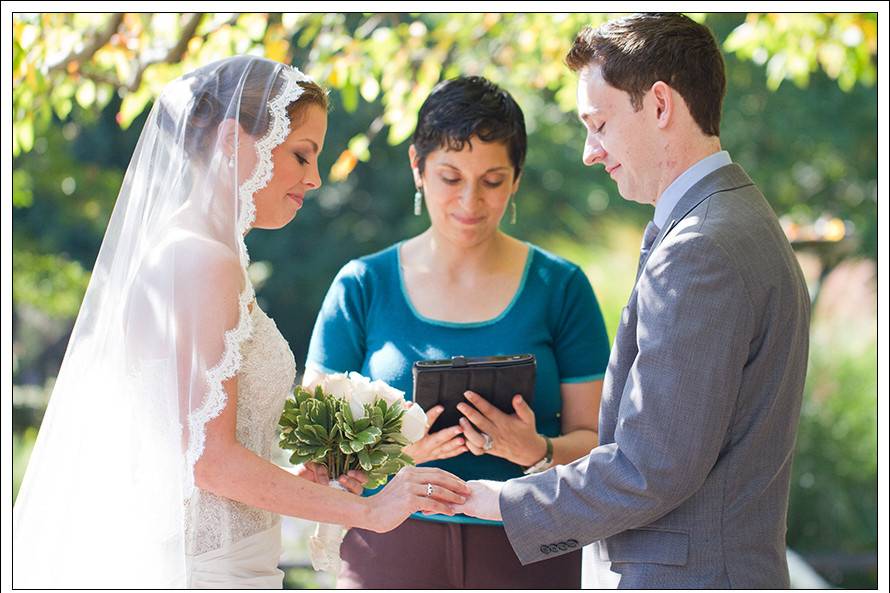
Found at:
<point>413,489</point>
<point>353,481</point>
<point>442,444</point>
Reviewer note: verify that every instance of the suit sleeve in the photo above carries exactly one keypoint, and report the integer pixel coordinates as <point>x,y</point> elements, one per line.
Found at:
<point>694,327</point>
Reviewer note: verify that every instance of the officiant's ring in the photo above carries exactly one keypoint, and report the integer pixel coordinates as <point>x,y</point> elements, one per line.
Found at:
<point>429,489</point>
<point>489,442</point>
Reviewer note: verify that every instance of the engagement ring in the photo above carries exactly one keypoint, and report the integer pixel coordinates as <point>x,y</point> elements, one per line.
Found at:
<point>429,489</point>
<point>489,442</point>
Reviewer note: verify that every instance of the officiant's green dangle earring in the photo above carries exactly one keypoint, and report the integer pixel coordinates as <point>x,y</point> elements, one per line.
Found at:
<point>418,201</point>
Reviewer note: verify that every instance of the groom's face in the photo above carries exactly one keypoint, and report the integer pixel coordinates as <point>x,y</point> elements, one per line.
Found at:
<point>618,137</point>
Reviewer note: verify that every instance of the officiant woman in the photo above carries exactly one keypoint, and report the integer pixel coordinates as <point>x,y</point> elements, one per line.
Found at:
<point>466,287</point>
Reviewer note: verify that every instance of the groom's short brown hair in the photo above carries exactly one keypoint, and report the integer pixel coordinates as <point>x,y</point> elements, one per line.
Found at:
<point>637,51</point>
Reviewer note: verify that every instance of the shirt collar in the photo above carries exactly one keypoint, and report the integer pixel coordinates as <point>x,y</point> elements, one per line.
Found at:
<point>686,180</point>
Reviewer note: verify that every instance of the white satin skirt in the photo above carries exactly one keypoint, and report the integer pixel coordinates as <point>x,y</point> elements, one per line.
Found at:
<point>250,563</point>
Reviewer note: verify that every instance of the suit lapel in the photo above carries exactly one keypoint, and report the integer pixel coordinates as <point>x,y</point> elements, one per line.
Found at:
<point>624,349</point>
<point>725,178</point>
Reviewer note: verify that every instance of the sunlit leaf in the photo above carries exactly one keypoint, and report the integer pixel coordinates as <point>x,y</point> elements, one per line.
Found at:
<point>86,94</point>
<point>132,105</point>
<point>344,166</point>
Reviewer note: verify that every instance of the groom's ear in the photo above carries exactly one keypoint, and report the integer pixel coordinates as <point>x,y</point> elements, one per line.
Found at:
<point>663,96</point>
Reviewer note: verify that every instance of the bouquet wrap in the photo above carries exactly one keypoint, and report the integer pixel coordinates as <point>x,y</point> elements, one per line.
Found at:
<point>324,544</point>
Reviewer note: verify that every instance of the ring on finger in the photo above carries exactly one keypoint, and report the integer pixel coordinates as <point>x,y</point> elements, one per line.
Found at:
<point>489,442</point>
<point>429,489</point>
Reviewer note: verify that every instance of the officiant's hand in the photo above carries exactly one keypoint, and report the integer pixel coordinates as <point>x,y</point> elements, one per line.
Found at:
<point>354,480</point>
<point>438,445</point>
<point>511,436</point>
<point>426,489</point>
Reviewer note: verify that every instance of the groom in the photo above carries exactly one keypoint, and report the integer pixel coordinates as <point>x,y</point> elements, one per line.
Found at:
<point>689,485</point>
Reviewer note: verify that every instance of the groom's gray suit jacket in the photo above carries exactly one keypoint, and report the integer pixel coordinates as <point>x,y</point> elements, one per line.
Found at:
<point>689,486</point>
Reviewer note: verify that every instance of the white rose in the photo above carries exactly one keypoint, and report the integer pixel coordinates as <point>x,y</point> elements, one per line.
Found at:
<point>414,423</point>
<point>362,393</point>
<point>387,392</point>
<point>337,385</point>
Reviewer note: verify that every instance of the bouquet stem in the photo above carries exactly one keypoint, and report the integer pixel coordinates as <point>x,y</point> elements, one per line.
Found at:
<point>324,545</point>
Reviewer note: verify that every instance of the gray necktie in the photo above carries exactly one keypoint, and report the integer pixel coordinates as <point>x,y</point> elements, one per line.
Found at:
<point>649,236</point>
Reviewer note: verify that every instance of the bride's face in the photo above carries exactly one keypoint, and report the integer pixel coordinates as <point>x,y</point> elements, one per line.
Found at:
<point>294,171</point>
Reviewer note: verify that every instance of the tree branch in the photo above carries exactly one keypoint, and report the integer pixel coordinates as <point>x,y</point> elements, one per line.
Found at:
<point>174,54</point>
<point>93,46</point>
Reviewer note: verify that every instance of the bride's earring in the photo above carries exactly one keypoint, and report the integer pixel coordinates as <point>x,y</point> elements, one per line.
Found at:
<point>231,162</point>
<point>418,201</point>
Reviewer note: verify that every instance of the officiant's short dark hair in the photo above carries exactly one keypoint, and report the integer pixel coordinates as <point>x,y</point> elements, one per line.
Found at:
<point>467,106</point>
<point>637,51</point>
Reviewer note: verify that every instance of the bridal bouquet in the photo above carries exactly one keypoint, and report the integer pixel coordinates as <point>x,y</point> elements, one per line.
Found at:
<point>349,422</point>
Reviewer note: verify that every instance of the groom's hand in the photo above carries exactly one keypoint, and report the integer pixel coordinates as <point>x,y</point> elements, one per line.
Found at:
<point>483,502</point>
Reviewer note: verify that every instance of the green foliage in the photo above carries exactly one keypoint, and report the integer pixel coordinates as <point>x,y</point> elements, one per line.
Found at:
<point>834,487</point>
<point>49,282</point>
<point>393,59</point>
<point>319,427</point>
<point>22,445</point>
<point>794,46</point>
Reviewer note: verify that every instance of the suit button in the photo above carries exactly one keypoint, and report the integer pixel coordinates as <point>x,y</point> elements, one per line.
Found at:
<point>563,546</point>
<point>554,548</point>
<point>545,549</point>
<point>573,543</point>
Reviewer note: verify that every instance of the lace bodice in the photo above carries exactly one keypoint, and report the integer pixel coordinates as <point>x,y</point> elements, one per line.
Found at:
<point>264,381</point>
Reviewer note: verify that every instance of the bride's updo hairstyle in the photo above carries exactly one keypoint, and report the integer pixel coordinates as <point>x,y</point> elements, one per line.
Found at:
<point>194,105</point>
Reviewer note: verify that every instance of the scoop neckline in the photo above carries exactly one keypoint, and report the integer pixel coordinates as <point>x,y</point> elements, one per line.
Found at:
<point>457,324</point>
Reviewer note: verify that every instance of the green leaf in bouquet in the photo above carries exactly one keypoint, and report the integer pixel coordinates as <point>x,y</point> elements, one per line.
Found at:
<point>305,434</point>
<point>361,424</point>
<point>319,432</point>
<point>297,459</point>
<point>346,447</point>
<point>307,450</point>
<point>364,460</point>
<point>375,480</point>
<point>377,414</point>
<point>377,457</point>
<point>390,449</point>
<point>394,411</point>
<point>348,430</point>
<point>318,414</point>
<point>369,436</point>
<point>390,467</point>
<point>397,438</point>
<point>332,404</point>
<point>356,446</point>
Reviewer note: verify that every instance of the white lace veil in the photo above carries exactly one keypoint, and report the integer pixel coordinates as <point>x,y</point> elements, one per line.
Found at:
<point>159,332</point>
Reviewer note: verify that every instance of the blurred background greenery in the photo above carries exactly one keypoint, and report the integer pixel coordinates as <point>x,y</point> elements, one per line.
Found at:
<point>800,116</point>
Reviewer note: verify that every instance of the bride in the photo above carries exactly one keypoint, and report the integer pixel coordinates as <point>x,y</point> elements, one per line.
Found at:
<point>152,466</point>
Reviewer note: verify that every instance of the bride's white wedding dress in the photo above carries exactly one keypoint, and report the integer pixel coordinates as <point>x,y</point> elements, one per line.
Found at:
<point>230,545</point>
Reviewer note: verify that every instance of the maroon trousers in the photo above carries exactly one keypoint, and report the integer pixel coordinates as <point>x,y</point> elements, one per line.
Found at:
<point>431,555</point>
